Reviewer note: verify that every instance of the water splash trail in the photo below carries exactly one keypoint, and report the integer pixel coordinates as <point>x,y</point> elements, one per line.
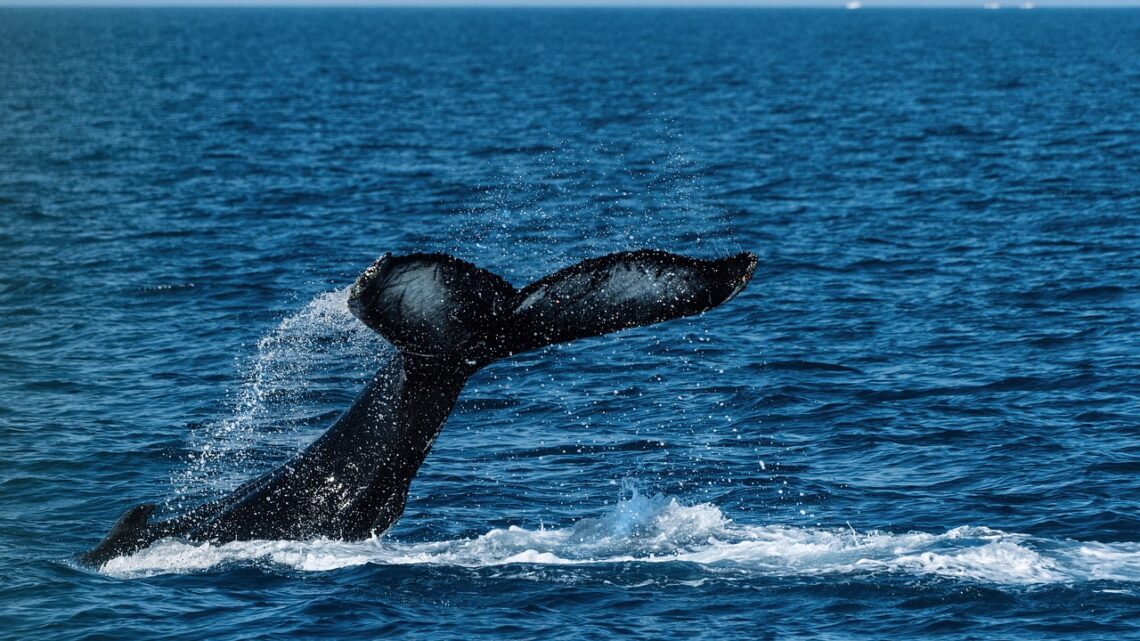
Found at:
<point>306,363</point>
<point>660,529</point>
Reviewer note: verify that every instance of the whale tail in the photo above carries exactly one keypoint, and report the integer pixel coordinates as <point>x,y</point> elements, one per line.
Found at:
<point>435,305</point>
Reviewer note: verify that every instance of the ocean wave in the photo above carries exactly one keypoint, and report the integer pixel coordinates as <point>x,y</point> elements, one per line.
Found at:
<point>661,529</point>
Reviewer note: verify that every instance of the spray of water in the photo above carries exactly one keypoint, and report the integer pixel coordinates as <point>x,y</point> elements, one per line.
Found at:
<point>574,199</point>
<point>297,377</point>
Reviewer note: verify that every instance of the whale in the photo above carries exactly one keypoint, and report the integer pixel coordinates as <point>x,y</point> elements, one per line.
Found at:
<point>447,319</point>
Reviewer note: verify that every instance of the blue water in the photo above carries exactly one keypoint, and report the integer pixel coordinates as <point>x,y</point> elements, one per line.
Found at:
<point>920,420</point>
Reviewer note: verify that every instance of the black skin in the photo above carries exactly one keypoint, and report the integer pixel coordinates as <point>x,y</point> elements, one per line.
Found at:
<point>448,319</point>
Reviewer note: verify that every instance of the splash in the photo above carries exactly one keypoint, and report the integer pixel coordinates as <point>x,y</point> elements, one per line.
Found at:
<point>660,529</point>
<point>306,363</point>
<point>517,225</point>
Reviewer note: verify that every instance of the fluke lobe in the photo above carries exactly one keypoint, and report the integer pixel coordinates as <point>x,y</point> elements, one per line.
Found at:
<point>447,318</point>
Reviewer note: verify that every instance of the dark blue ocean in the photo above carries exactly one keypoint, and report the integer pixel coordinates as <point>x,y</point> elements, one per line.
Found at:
<point>920,420</point>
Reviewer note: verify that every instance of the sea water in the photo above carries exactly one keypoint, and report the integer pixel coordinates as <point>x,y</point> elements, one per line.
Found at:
<point>920,420</point>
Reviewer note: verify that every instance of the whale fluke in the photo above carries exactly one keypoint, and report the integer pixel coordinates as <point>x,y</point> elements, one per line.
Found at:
<point>437,305</point>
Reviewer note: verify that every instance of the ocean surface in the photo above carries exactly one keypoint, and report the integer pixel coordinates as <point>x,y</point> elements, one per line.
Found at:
<point>920,420</point>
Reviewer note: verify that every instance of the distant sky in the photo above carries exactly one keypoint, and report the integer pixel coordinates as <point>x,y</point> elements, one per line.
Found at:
<point>869,4</point>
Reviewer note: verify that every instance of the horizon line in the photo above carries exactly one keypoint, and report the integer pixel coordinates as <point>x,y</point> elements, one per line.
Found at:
<point>1008,5</point>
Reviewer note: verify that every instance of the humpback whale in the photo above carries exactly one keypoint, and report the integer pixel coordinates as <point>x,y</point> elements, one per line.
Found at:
<point>447,319</point>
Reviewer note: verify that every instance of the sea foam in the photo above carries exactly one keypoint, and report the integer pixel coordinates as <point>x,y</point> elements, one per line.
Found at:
<point>660,529</point>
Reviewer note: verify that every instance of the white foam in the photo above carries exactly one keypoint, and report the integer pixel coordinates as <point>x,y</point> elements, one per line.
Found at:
<point>659,529</point>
